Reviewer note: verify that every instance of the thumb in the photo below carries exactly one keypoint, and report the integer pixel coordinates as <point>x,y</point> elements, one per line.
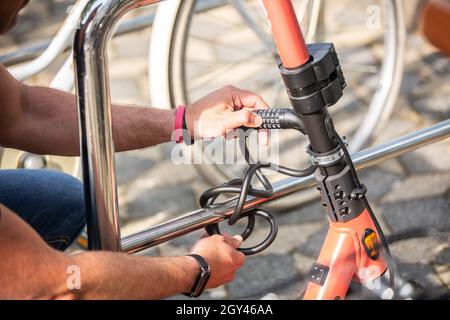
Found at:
<point>234,241</point>
<point>243,117</point>
<point>238,238</point>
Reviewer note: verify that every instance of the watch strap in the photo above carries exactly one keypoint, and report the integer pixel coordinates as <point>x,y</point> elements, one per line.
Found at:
<point>202,278</point>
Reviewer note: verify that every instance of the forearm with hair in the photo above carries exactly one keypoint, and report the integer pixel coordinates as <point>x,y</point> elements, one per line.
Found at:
<point>48,124</point>
<point>30,269</point>
<point>121,276</point>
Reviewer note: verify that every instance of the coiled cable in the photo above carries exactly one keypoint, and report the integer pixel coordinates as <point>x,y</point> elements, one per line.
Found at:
<point>243,188</point>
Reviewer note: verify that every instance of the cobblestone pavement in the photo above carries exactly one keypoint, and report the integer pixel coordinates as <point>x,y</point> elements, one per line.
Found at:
<point>408,192</point>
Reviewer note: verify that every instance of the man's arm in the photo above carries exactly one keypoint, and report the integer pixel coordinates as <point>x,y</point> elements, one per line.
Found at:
<point>32,270</point>
<point>44,120</point>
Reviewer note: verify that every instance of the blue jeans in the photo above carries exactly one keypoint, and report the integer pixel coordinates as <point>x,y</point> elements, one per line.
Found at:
<point>51,202</point>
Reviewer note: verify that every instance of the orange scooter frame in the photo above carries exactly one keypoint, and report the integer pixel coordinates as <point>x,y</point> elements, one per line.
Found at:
<point>351,250</point>
<point>345,257</point>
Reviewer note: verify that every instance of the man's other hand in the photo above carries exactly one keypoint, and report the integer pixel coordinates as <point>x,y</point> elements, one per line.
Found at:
<point>220,251</point>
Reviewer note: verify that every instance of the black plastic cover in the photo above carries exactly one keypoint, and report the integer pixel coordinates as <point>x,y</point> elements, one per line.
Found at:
<point>318,83</point>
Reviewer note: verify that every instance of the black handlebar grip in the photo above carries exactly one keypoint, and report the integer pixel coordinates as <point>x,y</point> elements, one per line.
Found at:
<point>280,119</point>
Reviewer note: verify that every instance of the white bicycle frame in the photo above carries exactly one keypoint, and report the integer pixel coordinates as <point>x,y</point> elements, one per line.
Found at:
<point>56,47</point>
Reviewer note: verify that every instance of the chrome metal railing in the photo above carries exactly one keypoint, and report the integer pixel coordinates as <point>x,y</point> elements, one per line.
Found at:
<point>94,106</point>
<point>201,218</point>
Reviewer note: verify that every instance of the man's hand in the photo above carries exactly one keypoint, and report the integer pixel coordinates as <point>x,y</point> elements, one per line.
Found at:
<point>104,275</point>
<point>225,109</point>
<point>223,258</point>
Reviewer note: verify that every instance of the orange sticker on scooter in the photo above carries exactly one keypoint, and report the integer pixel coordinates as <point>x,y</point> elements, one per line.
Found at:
<point>371,244</point>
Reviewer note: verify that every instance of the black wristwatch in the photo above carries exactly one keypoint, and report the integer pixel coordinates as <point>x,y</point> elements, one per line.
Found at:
<point>202,278</point>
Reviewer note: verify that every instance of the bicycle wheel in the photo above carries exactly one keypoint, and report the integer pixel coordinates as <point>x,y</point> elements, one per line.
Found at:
<point>215,43</point>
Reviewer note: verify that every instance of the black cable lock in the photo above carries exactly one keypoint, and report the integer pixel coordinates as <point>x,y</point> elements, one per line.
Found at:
<point>272,119</point>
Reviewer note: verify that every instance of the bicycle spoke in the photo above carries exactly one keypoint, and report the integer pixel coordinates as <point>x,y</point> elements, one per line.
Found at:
<point>253,25</point>
<point>223,69</point>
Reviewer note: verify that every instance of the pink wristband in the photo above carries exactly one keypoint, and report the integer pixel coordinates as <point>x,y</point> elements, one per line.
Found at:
<point>179,114</point>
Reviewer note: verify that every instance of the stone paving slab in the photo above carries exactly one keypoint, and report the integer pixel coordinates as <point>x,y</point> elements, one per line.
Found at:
<point>428,249</point>
<point>429,213</point>
<point>381,182</point>
<point>130,167</point>
<point>441,265</point>
<point>422,275</point>
<point>171,200</point>
<point>263,274</point>
<point>311,247</point>
<point>425,160</point>
<point>289,236</point>
<point>309,212</point>
<point>412,188</point>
